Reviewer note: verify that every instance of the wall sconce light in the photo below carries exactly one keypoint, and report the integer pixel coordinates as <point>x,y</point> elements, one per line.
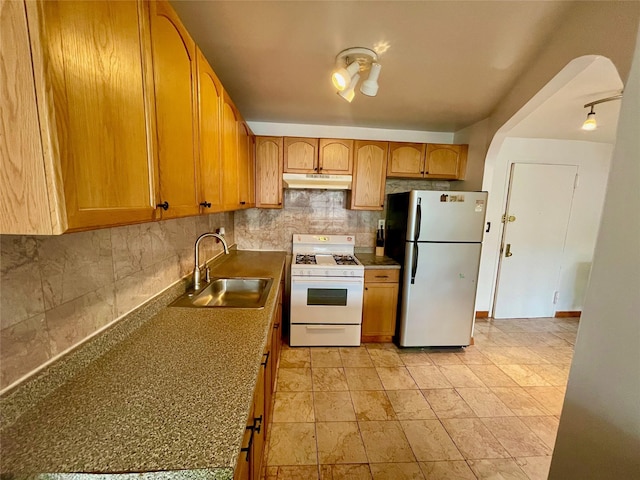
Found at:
<point>349,64</point>
<point>590,123</point>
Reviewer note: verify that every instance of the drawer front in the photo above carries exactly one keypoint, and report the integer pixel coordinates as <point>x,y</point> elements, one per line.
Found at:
<point>382,275</point>
<point>324,335</point>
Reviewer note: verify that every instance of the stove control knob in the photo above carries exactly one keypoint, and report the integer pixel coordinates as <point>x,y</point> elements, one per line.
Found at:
<point>345,273</point>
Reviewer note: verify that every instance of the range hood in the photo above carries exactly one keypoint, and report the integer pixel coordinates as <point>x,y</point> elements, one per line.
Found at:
<point>316,180</point>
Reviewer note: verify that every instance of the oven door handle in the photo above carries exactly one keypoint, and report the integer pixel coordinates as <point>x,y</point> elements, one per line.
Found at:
<point>336,280</point>
<point>325,327</point>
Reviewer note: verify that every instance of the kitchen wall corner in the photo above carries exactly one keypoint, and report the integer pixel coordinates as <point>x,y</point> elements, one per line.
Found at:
<point>56,291</point>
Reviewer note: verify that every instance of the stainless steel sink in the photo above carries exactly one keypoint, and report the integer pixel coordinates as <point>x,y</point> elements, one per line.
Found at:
<point>229,292</point>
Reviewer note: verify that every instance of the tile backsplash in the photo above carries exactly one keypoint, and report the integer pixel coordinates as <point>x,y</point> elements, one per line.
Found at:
<point>55,291</point>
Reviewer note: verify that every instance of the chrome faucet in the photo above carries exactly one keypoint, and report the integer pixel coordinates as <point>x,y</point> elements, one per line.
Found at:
<point>196,270</point>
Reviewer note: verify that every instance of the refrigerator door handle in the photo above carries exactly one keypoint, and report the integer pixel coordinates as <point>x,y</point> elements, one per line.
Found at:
<point>416,235</point>
<point>414,266</point>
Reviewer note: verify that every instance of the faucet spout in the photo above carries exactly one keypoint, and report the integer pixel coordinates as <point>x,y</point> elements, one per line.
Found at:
<point>197,281</point>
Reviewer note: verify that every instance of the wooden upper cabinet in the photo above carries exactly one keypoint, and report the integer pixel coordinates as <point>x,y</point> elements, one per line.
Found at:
<point>269,172</point>
<point>300,155</point>
<point>446,161</point>
<point>246,171</point>
<point>175,74</point>
<point>210,133</point>
<point>336,156</point>
<point>83,156</point>
<point>406,160</point>
<point>230,188</point>
<point>369,174</point>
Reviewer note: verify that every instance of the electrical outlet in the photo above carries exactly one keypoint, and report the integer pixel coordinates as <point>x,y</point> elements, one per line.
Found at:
<point>381,224</point>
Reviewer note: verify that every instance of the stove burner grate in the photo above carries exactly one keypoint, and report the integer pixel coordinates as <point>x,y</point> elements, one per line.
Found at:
<point>345,260</point>
<point>305,259</point>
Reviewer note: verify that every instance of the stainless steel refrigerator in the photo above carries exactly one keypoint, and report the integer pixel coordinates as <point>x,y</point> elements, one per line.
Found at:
<point>436,236</point>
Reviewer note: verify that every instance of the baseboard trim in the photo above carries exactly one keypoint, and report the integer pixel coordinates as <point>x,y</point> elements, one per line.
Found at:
<point>568,314</point>
<point>376,338</point>
<point>482,314</point>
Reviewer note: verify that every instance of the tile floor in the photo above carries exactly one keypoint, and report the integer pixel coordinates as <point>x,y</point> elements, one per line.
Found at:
<point>489,411</point>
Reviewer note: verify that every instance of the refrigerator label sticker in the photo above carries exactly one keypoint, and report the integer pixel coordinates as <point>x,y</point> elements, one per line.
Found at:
<point>454,198</point>
<point>479,205</point>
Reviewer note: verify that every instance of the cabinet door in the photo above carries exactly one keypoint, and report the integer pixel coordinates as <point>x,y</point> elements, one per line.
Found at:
<point>446,161</point>
<point>300,155</point>
<point>245,166</point>
<point>174,67</point>
<point>336,156</point>
<point>269,172</point>
<point>210,133</point>
<point>406,160</point>
<point>245,459</point>
<point>380,304</point>
<point>259,422</point>
<point>230,191</point>
<point>369,173</point>
<point>96,132</point>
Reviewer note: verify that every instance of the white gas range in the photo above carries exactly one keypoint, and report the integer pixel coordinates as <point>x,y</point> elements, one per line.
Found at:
<point>327,284</point>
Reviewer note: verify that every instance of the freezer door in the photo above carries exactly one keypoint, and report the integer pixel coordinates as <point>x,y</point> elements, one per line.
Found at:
<point>438,297</point>
<point>440,216</point>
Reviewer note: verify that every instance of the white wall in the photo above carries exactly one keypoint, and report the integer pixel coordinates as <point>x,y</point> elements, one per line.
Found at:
<point>476,136</point>
<point>593,160</point>
<point>599,432</point>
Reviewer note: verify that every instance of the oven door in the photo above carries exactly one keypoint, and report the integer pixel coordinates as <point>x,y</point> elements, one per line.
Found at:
<point>326,300</point>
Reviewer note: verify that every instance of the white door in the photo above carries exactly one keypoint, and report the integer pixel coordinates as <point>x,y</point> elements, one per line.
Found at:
<point>537,217</point>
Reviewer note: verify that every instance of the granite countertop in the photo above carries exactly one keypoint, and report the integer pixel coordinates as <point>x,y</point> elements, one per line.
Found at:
<point>172,397</point>
<point>369,260</point>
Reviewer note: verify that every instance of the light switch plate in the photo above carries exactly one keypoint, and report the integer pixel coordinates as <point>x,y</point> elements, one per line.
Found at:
<point>381,224</point>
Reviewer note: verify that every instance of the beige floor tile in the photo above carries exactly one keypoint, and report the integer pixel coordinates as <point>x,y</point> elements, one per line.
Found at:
<point>446,403</point>
<point>292,444</point>
<point>340,442</point>
<point>536,468</point>
<point>503,469</point>
<point>271,473</point>
<point>410,405</point>
<point>298,473</point>
<point>461,376</point>
<point>330,379</point>
<point>345,472</point>
<point>524,376</point>
<point>519,401</point>
<point>473,358</point>
<point>484,402</point>
<point>385,442</point>
<point>448,470</point>
<point>415,357</point>
<point>363,379</point>
<point>445,358</point>
<point>294,380</point>
<point>295,358</point>
<point>555,375</point>
<point>321,357</point>
<point>356,357</point>
<point>473,438</point>
<point>428,376</point>
<point>396,471</point>
<point>492,376</point>
<point>293,407</point>
<point>372,405</point>
<point>512,355</point>
<point>396,378</point>
<point>516,437</point>
<point>384,357</point>
<point>554,355</point>
<point>333,407</point>
<point>551,398</point>
<point>429,440</point>
<point>545,427</point>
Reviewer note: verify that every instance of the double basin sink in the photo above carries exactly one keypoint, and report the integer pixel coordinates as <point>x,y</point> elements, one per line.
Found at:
<point>228,292</point>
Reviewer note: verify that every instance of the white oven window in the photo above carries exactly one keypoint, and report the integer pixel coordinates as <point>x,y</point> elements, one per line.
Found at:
<point>327,296</point>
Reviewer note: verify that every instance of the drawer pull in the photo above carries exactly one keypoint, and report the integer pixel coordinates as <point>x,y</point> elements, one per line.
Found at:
<point>382,276</point>
<point>325,327</point>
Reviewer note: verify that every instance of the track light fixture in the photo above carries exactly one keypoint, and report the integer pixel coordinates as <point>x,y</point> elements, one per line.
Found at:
<point>349,64</point>
<point>590,123</point>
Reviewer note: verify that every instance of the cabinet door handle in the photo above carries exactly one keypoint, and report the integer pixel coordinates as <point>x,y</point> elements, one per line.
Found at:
<point>266,359</point>
<point>366,288</point>
<point>205,204</point>
<point>257,424</point>
<point>164,205</point>
<point>248,447</point>
<point>382,276</point>
<point>242,203</point>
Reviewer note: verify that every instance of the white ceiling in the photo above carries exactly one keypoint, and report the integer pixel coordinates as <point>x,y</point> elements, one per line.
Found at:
<point>447,65</point>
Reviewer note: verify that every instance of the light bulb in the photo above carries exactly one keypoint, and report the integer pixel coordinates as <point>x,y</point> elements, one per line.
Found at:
<point>590,123</point>
<point>349,93</point>
<point>342,77</point>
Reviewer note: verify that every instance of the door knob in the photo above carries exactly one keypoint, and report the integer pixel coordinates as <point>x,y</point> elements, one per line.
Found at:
<point>507,252</point>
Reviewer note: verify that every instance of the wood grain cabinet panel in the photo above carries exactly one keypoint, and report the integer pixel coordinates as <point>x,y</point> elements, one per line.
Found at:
<point>209,134</point>
<point>446,161</point>
<point>246,166</point>
<point>92,92</point>
<point>269,169</point>
<point>406,160</point>
<point>230,190</point>
<point>300,155</point>
<point>369,174</point>
<point>174,66</point>
<point>335,156</point>
<point>380,304</point>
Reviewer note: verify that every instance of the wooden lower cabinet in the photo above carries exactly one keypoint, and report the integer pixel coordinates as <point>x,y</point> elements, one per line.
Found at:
<point>380,304</point>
